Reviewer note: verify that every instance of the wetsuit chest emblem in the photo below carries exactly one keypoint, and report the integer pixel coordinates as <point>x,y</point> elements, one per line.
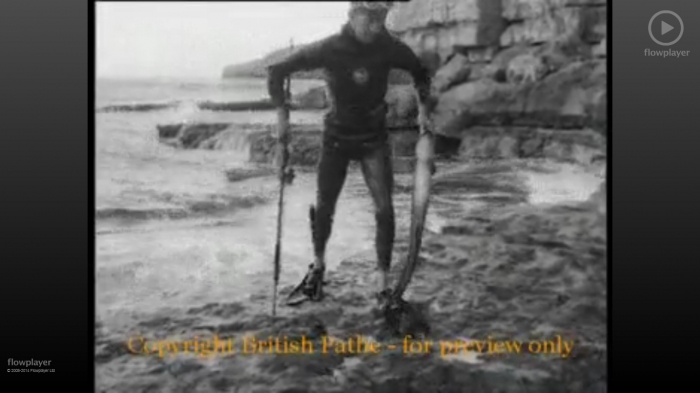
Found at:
<point>360,76</point>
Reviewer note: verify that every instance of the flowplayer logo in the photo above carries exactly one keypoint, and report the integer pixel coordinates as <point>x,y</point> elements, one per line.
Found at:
<point>31,362</point>
<point>666,53</point>
<point>666,29</point>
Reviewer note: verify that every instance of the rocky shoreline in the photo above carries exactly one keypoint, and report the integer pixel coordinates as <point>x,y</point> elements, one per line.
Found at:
<point>495,268</point>
<point>498,270</point>
<point>583,146</point>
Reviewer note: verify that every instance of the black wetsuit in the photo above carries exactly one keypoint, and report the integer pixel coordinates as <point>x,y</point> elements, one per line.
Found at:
<point>357,77</point>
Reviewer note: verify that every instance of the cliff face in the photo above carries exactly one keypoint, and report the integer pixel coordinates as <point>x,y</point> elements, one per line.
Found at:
<point>440,26</point>
<point>445,27</point>
<point>256,68</point>
<point>517,64</point>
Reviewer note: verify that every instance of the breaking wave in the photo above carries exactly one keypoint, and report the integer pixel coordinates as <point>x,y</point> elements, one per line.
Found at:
<point>202,105</point>
<point>193,209</point>
<point>138,107</point>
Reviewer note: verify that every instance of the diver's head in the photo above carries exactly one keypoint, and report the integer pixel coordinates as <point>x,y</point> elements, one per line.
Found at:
<point>367,18</point>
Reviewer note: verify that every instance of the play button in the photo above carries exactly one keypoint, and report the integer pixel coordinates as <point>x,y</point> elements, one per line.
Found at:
<point>667,21</point>
<point>665,28</point>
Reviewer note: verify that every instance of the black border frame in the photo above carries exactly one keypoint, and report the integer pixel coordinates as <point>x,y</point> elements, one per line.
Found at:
<point>44,293</point>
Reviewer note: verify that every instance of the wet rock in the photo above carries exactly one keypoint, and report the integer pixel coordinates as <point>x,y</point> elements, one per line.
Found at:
<point>460,99</point>
<point>236,106</point>
<point>577,146</point>
<point>258,140</point>
<point>532,146</point>
<point>573,97</point>
<point>301,366</point>
<point>553,55</point>
<point>478,54</point>
<point>489,147</point>
<point>180,367</point>
<point>219,310</point>
<point>581,146</point>
<point>304,146</point>
<point>526,68</point>
<point>110,350</point>
<point>189,136</point>
<point>455,72</point>
<point>239,174</point>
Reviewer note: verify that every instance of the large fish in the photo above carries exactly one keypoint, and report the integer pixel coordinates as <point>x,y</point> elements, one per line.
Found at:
<point>402,317</point>
<point>424,169</point>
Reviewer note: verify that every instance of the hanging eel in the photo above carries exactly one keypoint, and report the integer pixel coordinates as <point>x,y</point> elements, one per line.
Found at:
<point>424,170</point>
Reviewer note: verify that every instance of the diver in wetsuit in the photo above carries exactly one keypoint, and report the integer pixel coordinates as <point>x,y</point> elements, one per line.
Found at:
<point>357,61</point>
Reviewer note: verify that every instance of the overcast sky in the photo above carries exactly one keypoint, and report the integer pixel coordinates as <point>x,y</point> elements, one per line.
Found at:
<point>179,39</point>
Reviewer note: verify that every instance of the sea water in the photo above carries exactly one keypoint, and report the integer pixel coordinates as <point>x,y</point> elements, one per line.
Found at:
<point>171,229</point>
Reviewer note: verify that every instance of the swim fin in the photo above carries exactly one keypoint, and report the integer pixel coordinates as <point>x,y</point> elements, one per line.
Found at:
<point>311,287</point>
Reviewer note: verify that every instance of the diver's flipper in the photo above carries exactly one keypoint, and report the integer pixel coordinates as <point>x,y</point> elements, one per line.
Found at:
<point>310,288</point>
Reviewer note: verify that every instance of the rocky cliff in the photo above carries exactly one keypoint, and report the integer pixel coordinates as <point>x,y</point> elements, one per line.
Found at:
<point>256,68</point>
<point>515,66</point>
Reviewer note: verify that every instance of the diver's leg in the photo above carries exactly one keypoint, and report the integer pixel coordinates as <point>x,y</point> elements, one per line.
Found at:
<point>379,177</point>
<point>332,170</point>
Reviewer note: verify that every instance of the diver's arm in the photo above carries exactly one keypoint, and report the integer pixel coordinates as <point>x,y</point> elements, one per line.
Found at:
<point>307,58</point>
<point>404,58</point>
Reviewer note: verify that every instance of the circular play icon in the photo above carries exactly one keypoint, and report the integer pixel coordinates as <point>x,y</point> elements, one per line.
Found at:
<point>666,24</point>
